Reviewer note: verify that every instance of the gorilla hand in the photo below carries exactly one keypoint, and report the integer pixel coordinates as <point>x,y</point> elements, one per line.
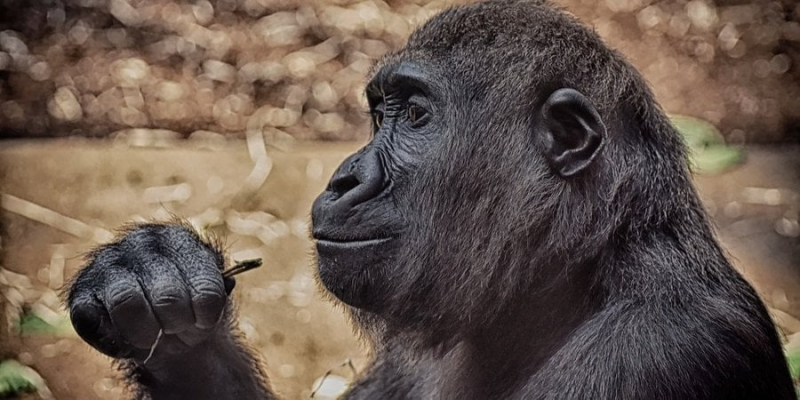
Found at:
<point>158,288</point>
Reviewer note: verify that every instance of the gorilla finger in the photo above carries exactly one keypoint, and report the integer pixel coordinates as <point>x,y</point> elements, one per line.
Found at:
<point>93,324</point>
<point>130,311</point>
<point>168,294</point>
<point>201,265</point>
<point>208,300</point>
<point>206,288</point>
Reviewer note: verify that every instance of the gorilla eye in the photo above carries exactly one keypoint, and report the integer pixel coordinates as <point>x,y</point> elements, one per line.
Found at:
<point>415,113</point>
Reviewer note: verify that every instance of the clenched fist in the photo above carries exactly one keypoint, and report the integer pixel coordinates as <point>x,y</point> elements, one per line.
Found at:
<point>158,282</point>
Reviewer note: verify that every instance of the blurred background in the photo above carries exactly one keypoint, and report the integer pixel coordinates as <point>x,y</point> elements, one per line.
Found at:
<point>234,113</point>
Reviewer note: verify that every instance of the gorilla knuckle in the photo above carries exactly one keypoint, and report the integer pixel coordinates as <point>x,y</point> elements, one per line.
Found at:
<point>81,299</point>
<point>209,299</point>
<point>210,282</point>
<point>123,294</point>
<point>167,299</point>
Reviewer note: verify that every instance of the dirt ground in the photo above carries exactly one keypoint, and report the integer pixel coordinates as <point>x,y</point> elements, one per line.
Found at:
<point>100,185</point>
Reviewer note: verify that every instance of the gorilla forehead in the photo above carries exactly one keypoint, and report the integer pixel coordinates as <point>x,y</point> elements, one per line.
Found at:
<point>547,47</point>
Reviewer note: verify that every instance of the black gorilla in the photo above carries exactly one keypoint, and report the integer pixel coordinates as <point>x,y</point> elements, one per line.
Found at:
<point>522,225</point>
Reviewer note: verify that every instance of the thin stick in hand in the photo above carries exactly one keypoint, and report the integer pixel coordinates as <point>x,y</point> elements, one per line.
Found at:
<point>242,266</point>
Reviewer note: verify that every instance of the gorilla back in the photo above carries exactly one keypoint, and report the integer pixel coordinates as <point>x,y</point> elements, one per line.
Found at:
<point>521,225</point>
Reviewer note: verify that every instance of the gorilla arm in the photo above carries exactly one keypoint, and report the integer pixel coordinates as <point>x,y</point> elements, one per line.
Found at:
<point>155,300</point>
<point>221,368</point>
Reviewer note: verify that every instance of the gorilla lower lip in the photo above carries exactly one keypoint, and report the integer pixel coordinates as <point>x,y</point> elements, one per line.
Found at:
<point>354,270</point>
<point>351,243</point>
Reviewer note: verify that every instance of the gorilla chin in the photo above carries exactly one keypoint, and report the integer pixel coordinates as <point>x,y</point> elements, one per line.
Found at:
<point>355,271</point>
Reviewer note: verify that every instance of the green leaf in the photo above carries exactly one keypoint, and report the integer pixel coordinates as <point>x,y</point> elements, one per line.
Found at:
<point>708,152</point>
<point>794,364</point>
<point>697,132</point>
<point>715,158</point>
<point>16,378</point>
<point>32,324</point>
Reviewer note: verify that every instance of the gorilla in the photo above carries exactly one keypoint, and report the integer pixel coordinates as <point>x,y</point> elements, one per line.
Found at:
<point>522,225</point>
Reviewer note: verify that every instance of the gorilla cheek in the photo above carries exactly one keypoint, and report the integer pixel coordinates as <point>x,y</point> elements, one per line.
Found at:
<point>356,273</point>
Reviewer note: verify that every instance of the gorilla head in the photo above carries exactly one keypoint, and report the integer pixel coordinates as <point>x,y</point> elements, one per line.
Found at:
<point>500,163</point>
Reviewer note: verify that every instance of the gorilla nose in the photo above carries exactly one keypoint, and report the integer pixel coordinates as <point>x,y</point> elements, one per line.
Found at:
<point>360,178</point>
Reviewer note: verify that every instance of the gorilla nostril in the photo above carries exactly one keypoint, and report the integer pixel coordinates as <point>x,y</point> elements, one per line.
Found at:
<point>343,184</point>
<point>359,179</point>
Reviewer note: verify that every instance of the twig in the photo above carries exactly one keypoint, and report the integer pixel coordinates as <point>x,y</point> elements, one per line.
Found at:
<point>53,219</point>
<point>242,266</point>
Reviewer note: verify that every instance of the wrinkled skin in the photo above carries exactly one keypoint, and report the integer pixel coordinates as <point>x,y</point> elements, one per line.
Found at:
<point>521,225</point>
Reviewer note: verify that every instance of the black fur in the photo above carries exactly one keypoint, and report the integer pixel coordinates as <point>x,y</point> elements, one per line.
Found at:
<point>165,277</point>
<point>522,225</point>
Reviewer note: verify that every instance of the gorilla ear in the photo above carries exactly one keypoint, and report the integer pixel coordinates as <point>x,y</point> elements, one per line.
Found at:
<point>573,131</point>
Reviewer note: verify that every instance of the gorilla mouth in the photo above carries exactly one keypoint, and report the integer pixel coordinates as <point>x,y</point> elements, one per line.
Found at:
<point>350,243</point>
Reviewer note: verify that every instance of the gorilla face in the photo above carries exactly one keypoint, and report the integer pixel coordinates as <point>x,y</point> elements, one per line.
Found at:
<point>444,216</point>
<point>361,221</point>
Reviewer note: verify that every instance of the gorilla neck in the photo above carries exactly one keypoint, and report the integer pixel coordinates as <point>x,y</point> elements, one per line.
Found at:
<point>534,326</point>
<point>504,355</point>
<point>495,360</point>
